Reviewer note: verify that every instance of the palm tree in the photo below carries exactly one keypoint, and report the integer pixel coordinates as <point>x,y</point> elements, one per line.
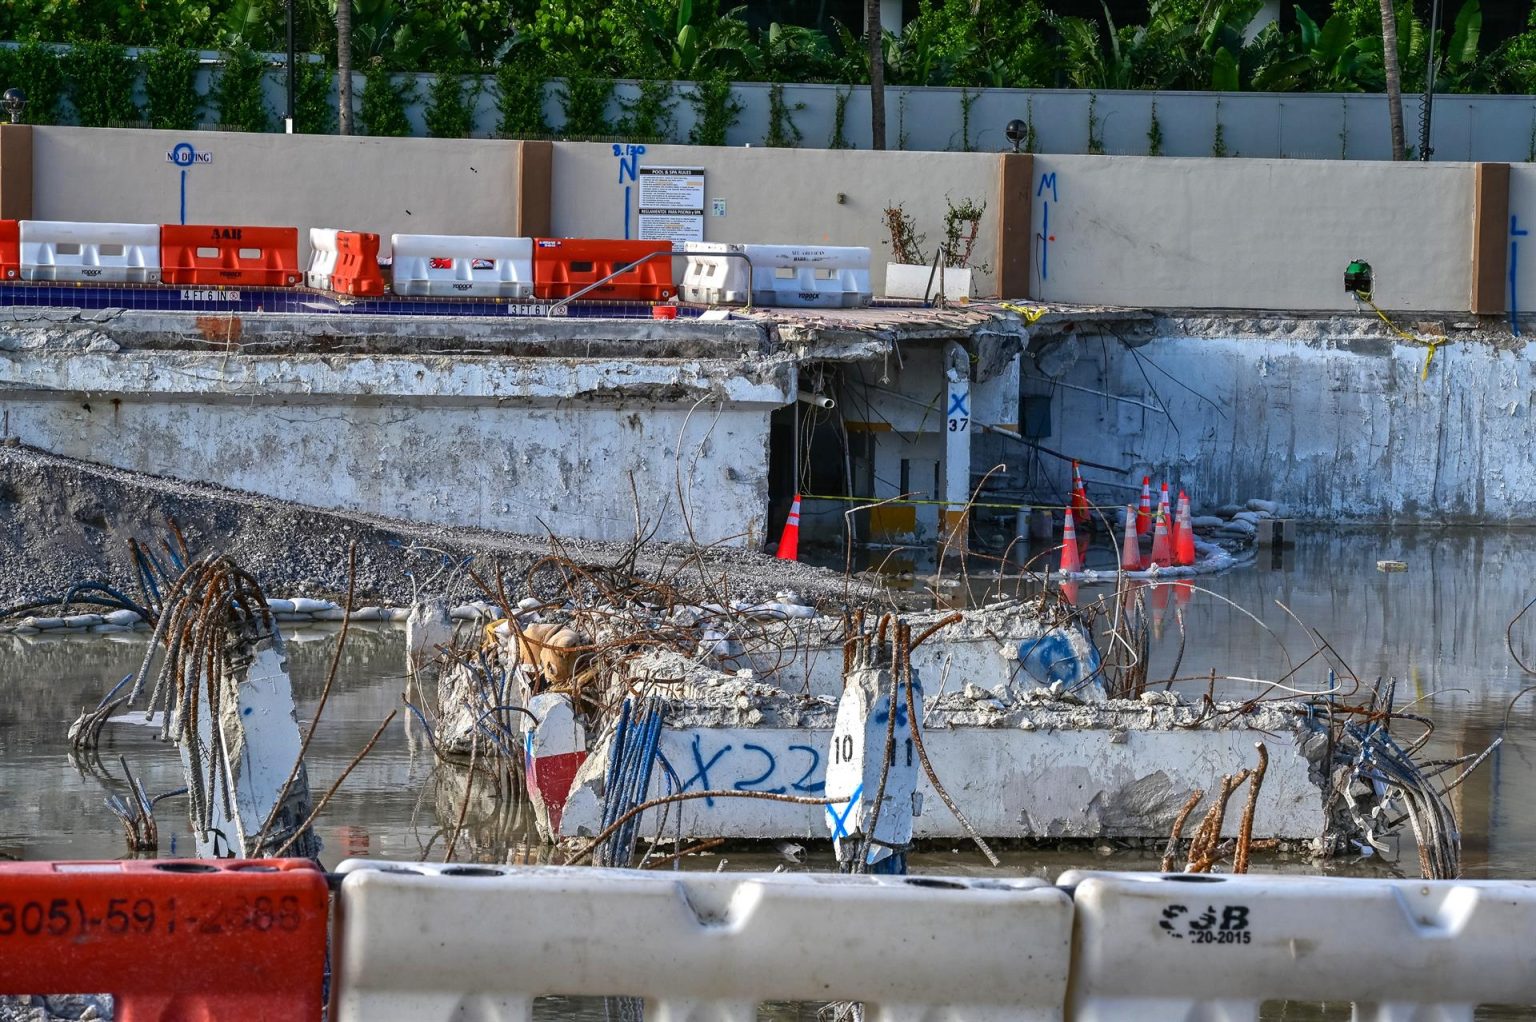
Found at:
<point>1394,77</point>
<point>344,66</point>
<point>875,37</point>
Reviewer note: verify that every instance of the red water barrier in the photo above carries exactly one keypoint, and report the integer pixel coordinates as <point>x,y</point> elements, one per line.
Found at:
<point>563,266</point>
<point>209,255</point>
<point>10,249</point>
<point>172,941</point>
<point>357,264</point>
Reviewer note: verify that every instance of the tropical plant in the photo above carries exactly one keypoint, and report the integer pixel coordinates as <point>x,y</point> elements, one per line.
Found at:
<point>782,133</point>
<point>696,40</point>
<point>521,88</point>
<point>35,68</point>
<point>584,101</point>
<point>101,77</point>
<point>384,101</point>
<point>715,109</point>
<point>451,106</point>
<point>649,115</point>
<point>839,139</point>
<point>170,88</point>
<point>238,94</point>
<point>314,112</point>
<point>977,43</point>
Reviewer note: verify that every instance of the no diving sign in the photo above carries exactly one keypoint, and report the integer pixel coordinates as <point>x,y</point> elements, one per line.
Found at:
<point>183,155</point>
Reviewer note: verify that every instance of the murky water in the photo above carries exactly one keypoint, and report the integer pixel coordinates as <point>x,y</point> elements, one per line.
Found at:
<point>1439,628</point>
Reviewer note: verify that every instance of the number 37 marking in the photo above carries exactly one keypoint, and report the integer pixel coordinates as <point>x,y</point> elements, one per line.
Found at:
<point>959,424</point>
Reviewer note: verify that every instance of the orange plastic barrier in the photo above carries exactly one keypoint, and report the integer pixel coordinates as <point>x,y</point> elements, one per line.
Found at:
<point>563,266</point>
<point>357,264</point>
<point>10,250</point>
<point>211,255</point>
<point>172,941</point>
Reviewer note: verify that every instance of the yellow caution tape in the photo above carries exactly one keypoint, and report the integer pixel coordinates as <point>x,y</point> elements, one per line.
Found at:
<point>1030,313</point>
<point>1433,342</point>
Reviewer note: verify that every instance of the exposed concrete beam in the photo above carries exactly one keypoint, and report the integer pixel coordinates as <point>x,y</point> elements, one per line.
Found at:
<point>1490,239</point>
<point>15,171</point>
<point>1014,208</point>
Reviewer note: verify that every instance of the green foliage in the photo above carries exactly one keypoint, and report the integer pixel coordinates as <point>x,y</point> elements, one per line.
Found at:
<point>716,110</point>
<point>126,22</point>
<point>451,106</point>
<point>1095,126</point>
<point>584,102</point>
<point>36,69</point>
<point>962,223</point>
<point>1031,140</point>
<point>384,101</point>
<point>237,96</point>
<point>967,100</point>
<point>1155,135</point>
<point>314,101</point>
<point>693,39</point>
<point>906,243</point>
<point>976,43</point>
<point>649,115</point>
<point>782,133</point>
<point>101,77</point>
<point>839,138</point>
<point>170,88</point>
<point>520,94</point>
<point>1219,139</point>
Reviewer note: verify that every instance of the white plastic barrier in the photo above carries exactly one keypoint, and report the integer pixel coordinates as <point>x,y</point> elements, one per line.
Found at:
<point>453,265</point>
<point>783,276</point>
<point>322,257</point>
<point>1215,948</point>
<point>431,942</point>
<point>96,253</point>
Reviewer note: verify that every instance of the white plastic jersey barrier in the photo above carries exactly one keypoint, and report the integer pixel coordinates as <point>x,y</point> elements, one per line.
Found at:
<point>1214,948</point>
<point>322,257</point>
<point>98,253</point>
<point>784,276</point>
<point>430,942</point>
<point>453,265</point>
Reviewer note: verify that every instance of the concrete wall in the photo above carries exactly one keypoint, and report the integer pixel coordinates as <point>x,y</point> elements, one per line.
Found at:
<point>1521,250</point>
<point>506,444</point>
<point>1332,427</point>
<point>778,198</point>
<point>415,186</point>
<point>1250,234</point>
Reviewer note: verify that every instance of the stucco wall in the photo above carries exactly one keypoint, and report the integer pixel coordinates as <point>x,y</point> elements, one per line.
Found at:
<point>1249,234</point>
<point>387,185</point>
<point>1521,250</point>
<point>780,197</point>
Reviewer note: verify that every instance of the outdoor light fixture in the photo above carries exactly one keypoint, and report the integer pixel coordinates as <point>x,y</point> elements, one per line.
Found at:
<point>15,101</point>
<point>1357,279</point>
<point>1015,131</point>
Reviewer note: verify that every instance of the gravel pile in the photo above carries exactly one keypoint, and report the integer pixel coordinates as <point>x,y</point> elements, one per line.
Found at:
<point>64,521</point>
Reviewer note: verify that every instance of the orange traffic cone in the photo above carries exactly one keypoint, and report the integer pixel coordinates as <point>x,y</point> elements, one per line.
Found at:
<point>1164,508</point>
<point>789,543</point>
<point>1184,540</point>
<point>1069,592</point>
<point>1071,556</point>
<point>1144,514</point>
<point>1130,550</point>
<point>1162,549</point>
<point>1080,509</point>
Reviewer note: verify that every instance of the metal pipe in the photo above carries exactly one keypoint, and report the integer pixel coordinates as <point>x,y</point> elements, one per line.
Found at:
<point>819,400</point>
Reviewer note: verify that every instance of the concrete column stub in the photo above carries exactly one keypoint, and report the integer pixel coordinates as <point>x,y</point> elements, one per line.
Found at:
<point>1490,239</point>
<point>15,171</point>
<point>954,526</point>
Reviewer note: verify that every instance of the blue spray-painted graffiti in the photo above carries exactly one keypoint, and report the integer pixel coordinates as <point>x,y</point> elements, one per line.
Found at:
<point>1514,261</point>
<point>629,170</point>
<point>751,767</point>
<point>1052,657</point>
<point>1044,237</point>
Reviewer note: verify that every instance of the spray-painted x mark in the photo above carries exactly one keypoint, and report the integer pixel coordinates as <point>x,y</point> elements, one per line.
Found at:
<point>957,404</point>
<point>701,768</point>
<point>840,819</point>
